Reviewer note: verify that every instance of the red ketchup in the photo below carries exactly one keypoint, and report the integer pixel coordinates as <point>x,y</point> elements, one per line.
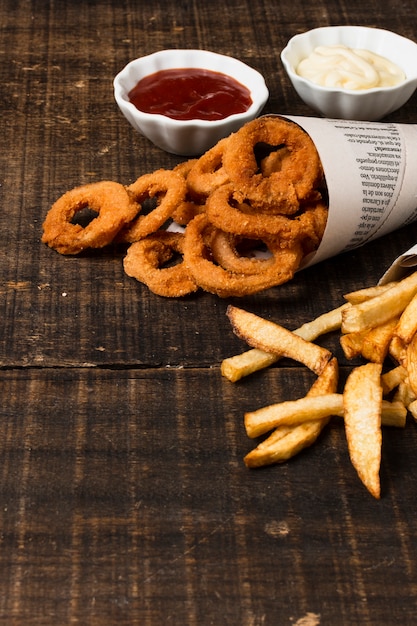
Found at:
<point>190,93</point>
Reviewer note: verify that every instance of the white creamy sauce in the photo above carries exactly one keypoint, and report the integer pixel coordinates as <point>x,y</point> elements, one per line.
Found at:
<point>339,66</point>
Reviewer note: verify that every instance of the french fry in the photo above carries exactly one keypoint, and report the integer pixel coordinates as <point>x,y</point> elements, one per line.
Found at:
<point>404,393</point>
<point>325,323</point>
<point>269,337</point>
<point>398,350</point>
<point>240,365</point>
<point>293,412</point>
<point>287,441</point>
<point>375,323</point>
<point>312,408</point>
<point>391,379</point>
<point>381,308</point>
<point>361,295</point>
<point>352,344</point>
<point>284,443</point>
<point>412,407</point>
<point>327,381</point>
<point>407,324</point>
<point>362,398</point>
<point>372,344</point>
<point>376,341</point>
<point>412,364</point>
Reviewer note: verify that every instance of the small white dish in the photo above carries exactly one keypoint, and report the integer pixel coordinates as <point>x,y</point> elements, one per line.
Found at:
<point>193,137</point>
<point>370,104</point>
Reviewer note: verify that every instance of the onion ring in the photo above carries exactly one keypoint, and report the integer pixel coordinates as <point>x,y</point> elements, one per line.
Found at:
<point>242,219</point>
<point>169,189</point>
<point>110,200</point>
<point>224,248</point>
<point>217,280</point>
<point>273,161</point>
<point>208,173</point>
<point>192,204</point>
<point>184,167</point>
<point>312,223</point>
<point>185,212</point>
<point>300,170</point>
<point>263,185</point>
<point>145,259</point>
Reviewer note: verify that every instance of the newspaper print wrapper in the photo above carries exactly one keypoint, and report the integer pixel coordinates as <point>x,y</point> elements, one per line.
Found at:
<point>403,265</point>
<point>371,179</point>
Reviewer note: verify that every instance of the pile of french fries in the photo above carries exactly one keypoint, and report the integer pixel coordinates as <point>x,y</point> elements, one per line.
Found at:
<point>378,324</point>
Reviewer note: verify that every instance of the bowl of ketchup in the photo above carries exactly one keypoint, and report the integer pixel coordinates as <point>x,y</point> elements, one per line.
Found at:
<point>185,101</point>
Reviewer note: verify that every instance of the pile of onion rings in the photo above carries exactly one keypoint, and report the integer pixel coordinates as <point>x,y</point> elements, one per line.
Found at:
<point>238,220</point>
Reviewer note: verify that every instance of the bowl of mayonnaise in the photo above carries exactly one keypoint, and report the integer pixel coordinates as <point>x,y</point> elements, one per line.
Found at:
<point>352,72</point>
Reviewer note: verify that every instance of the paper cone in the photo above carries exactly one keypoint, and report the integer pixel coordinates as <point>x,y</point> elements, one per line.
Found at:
<point>371,179</point>
<point>403,265</point>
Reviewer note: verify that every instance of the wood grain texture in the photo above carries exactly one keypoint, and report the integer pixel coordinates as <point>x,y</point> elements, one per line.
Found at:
<point>124,498</point>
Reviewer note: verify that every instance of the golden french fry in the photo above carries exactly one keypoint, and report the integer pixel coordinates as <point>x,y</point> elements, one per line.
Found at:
<point>412,407</point>
<point>312,408</point>
<point>269,337</point>
<point>381,308</point>
<point>376,341</point>
<point>407,324</point>
<point>327,381</point>
<point>362,398</point>
<point>393,378</point>
<point>398,350</point>
<point>404,393</point>
<point>240,365</point>
<point>356,297</point>
<point>352,344</point>
<point>293,412</point>
<point>282,445</point>
<point>286,441</point>
<point>373,344</point>
<point>325,323</point>
<point>375,322</point>
<point>236,367</point>
<point>412,364</point>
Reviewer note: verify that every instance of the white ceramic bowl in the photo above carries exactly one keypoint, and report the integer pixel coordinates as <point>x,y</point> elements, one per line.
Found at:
<point>193,137</point>
<point>370,104</point>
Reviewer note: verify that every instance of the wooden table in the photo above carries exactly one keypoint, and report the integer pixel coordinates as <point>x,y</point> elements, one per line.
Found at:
<point>124,498</point>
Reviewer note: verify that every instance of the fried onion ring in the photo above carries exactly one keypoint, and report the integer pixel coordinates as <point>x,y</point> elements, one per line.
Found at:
<point>249,210</point>
<point>241,219</point>
<point>273,161</point>
<point>145,260</point>
<point>224,283</point>
<point>168,188</point>
<point>186,210</point>
<point>208,173</point>
<point>113,205</point>
<point>312,223</point>
<point>225,251</point>
<point>184,167</point>
<point>193,204</point>
<point>300,168</point>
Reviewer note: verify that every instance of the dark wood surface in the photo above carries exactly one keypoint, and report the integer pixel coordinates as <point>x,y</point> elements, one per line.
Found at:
<point>123,494</point>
